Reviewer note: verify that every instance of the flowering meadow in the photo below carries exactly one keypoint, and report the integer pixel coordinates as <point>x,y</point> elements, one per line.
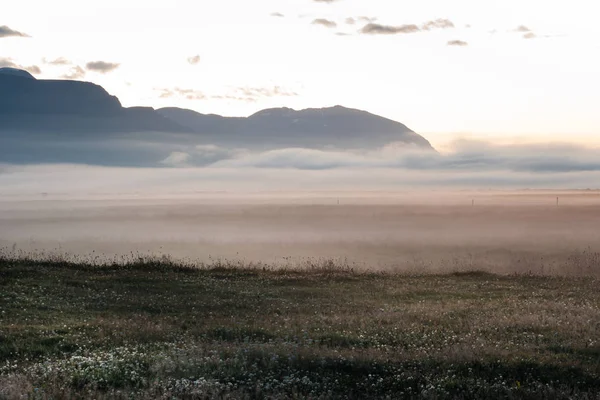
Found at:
<point>153,328</point>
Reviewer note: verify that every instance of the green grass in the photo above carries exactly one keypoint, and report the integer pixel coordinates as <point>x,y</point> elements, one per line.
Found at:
<point>156,329</point>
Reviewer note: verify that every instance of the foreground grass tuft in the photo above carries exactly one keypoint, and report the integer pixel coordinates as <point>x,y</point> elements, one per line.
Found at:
<point>154,328</point>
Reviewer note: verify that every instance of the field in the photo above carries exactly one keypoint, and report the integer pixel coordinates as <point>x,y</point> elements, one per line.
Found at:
<point>496,300</point>
<point>153,329</point>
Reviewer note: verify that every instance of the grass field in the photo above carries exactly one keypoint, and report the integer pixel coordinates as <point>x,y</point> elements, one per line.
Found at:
<point>154,329</point>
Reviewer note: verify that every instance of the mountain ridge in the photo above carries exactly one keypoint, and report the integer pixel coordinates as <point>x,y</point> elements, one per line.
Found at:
<point>335,126</point>
<point>50,111</point>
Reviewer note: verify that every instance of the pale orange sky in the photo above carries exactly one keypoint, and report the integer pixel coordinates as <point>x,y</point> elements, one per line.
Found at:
<point>499,86</point>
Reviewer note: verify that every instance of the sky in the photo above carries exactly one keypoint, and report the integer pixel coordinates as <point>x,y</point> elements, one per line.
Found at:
<point>511,71</point>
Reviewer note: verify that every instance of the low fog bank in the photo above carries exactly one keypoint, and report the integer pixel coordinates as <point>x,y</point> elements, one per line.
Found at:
<point>391,208</point>
<point>503,232</point>
<point>77,181</point>
<point>152,149</point>
<point>159,168</point>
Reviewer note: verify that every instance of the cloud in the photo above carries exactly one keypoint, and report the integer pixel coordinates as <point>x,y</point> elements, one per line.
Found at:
<point>75,73</point>
<point>74,181</point>
<point>377,29</point>
<point>176,159</point>
<point>7,62</point>
<point>459,43</point>
<point>324,22</point>
<point>437,24</point>
<point>212,167</point>
<point>354,20</point>
<point>57,61</point>
<point>102,67</point>
<point>325,1</point>
<point>246,93</point>
<point>465,155</point>
<point>189,94</point>
<point>252,94</point>
<point>277,14</point>
<point>522,29</point>
<point>194,60</point>
<point>201,155</point>
<point>5,31</point>
<point>10,63</point>
<point>527,33</point>
<point>255,93</point>
<point>367,19</point>
<point>34,69</point>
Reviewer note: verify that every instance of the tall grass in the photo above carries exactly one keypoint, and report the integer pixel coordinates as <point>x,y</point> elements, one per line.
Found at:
<point>153,327</point>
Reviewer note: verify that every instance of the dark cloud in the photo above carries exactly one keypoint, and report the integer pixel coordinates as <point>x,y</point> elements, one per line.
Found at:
<point>324,22</point>
<point>75,73</point>
<point>277,14</point>
<point>102,67</point>
<point>457,43</point>
<point>378,29</point>
<point>194,60</point>
<point>355,20</point>
<point>5,31</point>
<point>57,61</point>
<point>437,24</point>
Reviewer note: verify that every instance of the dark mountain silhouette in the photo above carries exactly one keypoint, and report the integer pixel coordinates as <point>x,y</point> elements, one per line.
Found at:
<point>73,106</point>
<point>33,105</point>
<point>314,127</point>
<point>61,121</point>
<point>15,72</point>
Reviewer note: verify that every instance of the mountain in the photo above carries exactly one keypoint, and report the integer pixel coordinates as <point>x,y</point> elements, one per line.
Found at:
<point>28,104</point>
<point>314,127</point>
<point>16,72</point>
<point>62,121</point>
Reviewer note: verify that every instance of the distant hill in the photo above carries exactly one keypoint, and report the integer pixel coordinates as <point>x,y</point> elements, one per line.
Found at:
<point>28,104</point>
<point>62,121</point>
<point>16,72</point>
<point>314,127</point>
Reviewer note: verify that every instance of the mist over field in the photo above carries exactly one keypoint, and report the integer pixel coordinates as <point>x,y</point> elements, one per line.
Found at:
<point>160,168</point>
<point>410,231</point>
<point>399,207</point>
